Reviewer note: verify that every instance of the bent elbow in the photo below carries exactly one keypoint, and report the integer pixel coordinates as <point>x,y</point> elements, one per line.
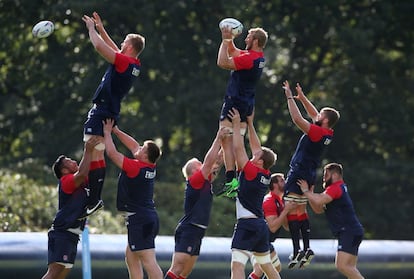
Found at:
<point>318,210</point>
<point>220,64</point>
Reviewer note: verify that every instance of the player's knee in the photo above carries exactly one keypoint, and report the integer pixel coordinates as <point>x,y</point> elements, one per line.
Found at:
<point>301,200</point>
<point>229,131</point>
<point>240,256</point>
<point>242,131</point>
<point>276,262</point>
<point>100,146</point>
<point>262,259</point>
<point>62,266</point>
<point>341,267</point>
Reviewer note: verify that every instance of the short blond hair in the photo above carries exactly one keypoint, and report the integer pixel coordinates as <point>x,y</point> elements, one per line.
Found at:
<point>189,167</point>
<point>261,35</point>
<point>137,41</point>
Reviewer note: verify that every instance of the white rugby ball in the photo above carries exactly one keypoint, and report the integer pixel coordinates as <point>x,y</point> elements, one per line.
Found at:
<point>43,29</point>
<point>235,25</point>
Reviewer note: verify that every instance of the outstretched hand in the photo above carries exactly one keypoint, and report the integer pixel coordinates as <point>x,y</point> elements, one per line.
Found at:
<point>90,22</point>
<point>290,205</point>
<point>92,142</point>
<point>108,125</point>
<point>98,21</point>
<point>250,118</point>
<point>286,87</point>
<point>299,91</point>
<point>304,186</point>
<point>221,133</point>
<point>288,92</point>
<point>234,116</point>
<point>226,33</point>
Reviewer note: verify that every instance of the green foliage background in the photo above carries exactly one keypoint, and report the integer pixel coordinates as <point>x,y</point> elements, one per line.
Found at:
<point>354,55</point>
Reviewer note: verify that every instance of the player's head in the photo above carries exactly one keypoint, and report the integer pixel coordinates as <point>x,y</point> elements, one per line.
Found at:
<point>332,172</point>
<point>57,166</point>
<point>64,165</point>
<point>153,151</point>
<point>277,180</point>
<point>136,41</point>
<point>330,114</point>
<point>190,167</point>
<point>269,157</point>
<point>258,34</point>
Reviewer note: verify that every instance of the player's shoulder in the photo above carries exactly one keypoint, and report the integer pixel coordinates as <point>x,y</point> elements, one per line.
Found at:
<point>320,129</point>
<point>66,178</point>
<point>126,59</point>
<point>268,198</point>
<point>255,54</point>
<point>335,190</point>
<point>317,133</point>
<point>67,183</point>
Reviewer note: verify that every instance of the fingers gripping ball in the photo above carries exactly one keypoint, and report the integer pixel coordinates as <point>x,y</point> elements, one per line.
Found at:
<point>235,25</point>
<point>43,29</point>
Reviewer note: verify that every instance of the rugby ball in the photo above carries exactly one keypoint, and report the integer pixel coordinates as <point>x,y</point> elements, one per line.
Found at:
<point>43,29</point>
<point>235,25</point>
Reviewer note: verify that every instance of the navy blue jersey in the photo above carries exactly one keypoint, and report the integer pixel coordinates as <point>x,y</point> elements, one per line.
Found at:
<point>136,186</point>
<point>115,84</point>
<point>71,204</point>
<point>254,183</point>
<point>309,150</point>
<point>242,83</point>
<point>340,211</point>
<point>197,201</point>
<point>273,206</point>
<point>307,157</point>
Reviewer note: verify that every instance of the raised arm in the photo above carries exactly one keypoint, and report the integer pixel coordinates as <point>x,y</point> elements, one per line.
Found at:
<point>211,156</point>
<point>85,162</point>
<point>309,107</point>
<point>294,111</point>
<point>105,36</point>
<point>238,140</point>
<point>126,140</point>
<point>116,157</point>
<point>105,50</point>
<point>227,50</point>
<point>254,140</point>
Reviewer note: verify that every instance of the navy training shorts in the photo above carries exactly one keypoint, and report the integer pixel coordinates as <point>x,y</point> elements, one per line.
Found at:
<point>244,108</point>
<point>188,239</point>
<point>142,231</point>
<point>292,177</point>
<point>62,247</point>
<point>349,242</point>
<point>251,234</point>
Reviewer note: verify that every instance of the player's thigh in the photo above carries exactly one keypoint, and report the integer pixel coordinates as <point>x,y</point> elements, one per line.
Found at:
<point>344,260</point>
<point>142,231</point>
<point>56,271</point>
<point>188,267</point>
<point>349,242</point>
<point>188,239</point>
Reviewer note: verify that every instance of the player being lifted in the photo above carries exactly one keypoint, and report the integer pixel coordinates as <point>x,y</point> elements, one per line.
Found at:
<point>306,159</point>
<point>246,67</point>
<point>124,68</point>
